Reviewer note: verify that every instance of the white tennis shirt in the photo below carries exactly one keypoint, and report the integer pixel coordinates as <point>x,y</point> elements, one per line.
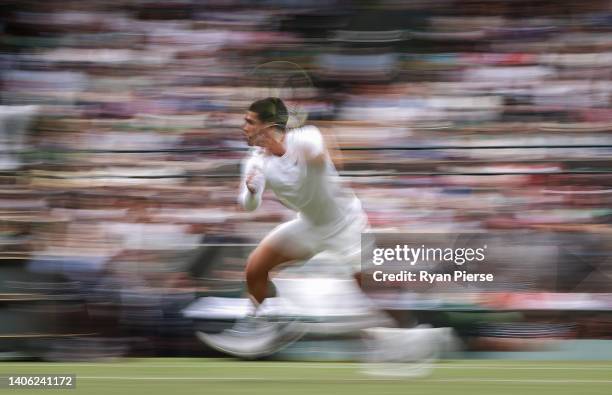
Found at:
<point>314,190</point>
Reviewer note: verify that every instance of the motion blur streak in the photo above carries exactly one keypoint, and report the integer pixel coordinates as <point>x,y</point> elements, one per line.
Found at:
<point>101,252</point>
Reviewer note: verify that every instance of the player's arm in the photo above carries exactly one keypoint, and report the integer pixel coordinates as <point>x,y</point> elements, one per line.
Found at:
<point>331,144</point>
<point>313,147</point>
<point>252,183</point>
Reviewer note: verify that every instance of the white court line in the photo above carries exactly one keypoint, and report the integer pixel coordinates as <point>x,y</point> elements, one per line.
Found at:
<point>305,380</point>
<point>291,365</point>
<point>535,381</point>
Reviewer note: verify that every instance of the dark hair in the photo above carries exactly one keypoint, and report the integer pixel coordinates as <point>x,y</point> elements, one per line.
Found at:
<point>271,109</point>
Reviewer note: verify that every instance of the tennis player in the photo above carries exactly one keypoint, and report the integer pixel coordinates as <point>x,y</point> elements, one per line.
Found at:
<point>295,164</point>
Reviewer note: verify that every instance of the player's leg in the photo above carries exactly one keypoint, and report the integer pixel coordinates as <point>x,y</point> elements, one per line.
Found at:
<point>256,335</point>
<point>265,258</point>
<point>287,243</point>
<point>389,350</point>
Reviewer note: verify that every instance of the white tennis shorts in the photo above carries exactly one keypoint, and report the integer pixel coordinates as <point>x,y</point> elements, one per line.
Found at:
<point>299,238</point>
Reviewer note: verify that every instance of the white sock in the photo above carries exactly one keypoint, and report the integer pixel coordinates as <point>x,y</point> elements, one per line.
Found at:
<point>254,309</point>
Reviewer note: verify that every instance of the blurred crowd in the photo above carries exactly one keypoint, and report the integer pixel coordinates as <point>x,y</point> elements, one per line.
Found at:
<point>120,139</point>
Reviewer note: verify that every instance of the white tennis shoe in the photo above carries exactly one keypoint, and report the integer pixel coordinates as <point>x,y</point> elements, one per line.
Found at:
<point>254,337</point>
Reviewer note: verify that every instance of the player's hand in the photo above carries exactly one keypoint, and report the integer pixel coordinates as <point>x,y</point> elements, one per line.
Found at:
<point>250,183</point>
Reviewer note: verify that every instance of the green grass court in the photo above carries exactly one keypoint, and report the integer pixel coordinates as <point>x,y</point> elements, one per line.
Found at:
<point>225,376</point>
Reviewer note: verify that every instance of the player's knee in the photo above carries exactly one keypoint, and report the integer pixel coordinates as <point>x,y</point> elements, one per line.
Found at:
<point>254,270</point>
